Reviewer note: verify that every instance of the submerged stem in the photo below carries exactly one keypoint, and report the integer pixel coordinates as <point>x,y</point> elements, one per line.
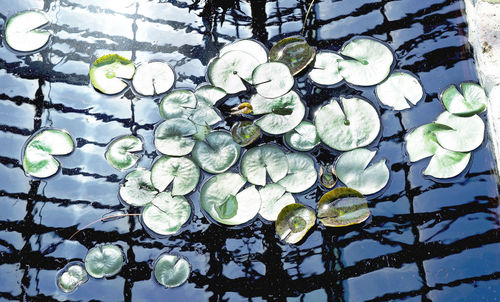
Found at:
<point>103,219</point>
<point>307,15</point>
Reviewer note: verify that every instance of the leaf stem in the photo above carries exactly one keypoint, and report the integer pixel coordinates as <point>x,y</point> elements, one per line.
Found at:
<point>307,15</point>
<point>103,219</point>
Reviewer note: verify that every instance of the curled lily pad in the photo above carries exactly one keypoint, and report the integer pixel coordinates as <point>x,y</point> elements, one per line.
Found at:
<point>243,108</point>
<point>294,52</point>
<point>368,62</point>
<point>258,161</point>
<point>352,169</point>
<point>173,137</point>
<point>245,132</point>
<point>447,164</point>
<point>328,176</point>
<point>326,69</point>
<point>217,153</point>
<point>272,80</point>
<point>252,47</point>
<point>104,261</point>
<point>342,207</point>
<point>23,33</point>
<point>399,89</point>
<point>274,198</point>
<point>303,137</point>
<point>178,104</point>
<point>72,276</point>
<point>171,270</point>
<point>355,125</point>
<point>293,222</point>
<point>166,214</point>
<point>38,155</point>
<point>422,142</point>
<point>137,190</point>
<point>467,133</point>
<point>153,78</point>
<point>107,72</point>
<point>473,101</point>
<point>231,70</point>
<point>123,151</point>
<point>182,172</point>
<point>301,173</point>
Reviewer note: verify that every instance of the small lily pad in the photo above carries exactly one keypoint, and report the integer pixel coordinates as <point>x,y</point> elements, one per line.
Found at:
<point>352,169</point>
<point>422,142</point>
<point>107,72</point>
<point>204,112</point>
<point>231,70</point>
<point>447,164</point>
<point>467,133</point>
<point>272,80</point>
<point>293,222</point>
<point>137,190</point>
<point>23,33</point>
<point>301,173</point>
<point>473,101</point>
<point>326,69</point>
<point>166,214</point>
<point>104,261</point>
<point>171,271</point>
<point>252,47</point>
<point>258,161</point>
<point>182,172</point>
<point>173,137</point>
<point>303,137</point>
<point>217,153</point>
<point>274,198</point>
<point>328,176</point>
<point>209,95</point>
<point>294,52</point>
<point>178,104</point>
<point>245,132</point>
<point>399,89</point>
<point>122,152</point>
<point>153,78</point>
<point>72,276</point>
<point>342,207</point>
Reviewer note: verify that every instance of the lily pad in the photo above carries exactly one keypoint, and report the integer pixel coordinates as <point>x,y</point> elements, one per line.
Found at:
<point>258,161</point>
<point>399,89</point>
<point>342,207</point>
<point>352,169</point>
<point>274,198</point>
<point>422,142</point>
<point>104,261</point>
<point>23,31</point>
<point>368,62</point>
<point>293,222</point>
<point>72,276</point>
<point>182,172</point>
<point>447,164</point>
<point>355,125</point>
<point>252,47</point>
<point>301,173</point>
<point>473,101</point>
<point>294,52</point>
<point>166,214</point>
<point>303,137</point>
<point>171,271</point>
<point>173,137</point>
<point>326,69</point>
<point>178,104</point>
<point>328,176</point>
<point>272,80</point>
<point>231,70</point>
<point>245,132</point>
<point>217,153</point>
<point>137,190</point>
<point>122,152</point>
<point>153,78</point>
<point>467,133</point>
<point>107,72</point>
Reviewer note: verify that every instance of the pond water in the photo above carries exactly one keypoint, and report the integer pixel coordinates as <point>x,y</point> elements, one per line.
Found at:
<point>425,240</point>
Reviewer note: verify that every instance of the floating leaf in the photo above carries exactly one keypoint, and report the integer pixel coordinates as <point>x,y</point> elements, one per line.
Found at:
<point>243,108</point>
<point>107,72</point>
<point>422,142</point>
<point>342,207</point>
<point>72,276</point>
<point>252,47</point>
<point>178,104</point>
<point>293,222</point>
<point>467,133</point>
<point>230,70</point>
<point>328,176</point>
<point>209,95</point>
<point>473,101</point>
<point>369,62</point>
<point>274,198</point>
<point>166,214</point>
<point>171,270</point>
<point>182,172</point>
<point>137,190</point>
<point>201,132</point>
<point>355,125</point>
<point>217,153</point>
<point>245,132</point>
<point>301,173</point>
<point>399,89</point>
<point>447,164</point>
<point>258,161</point>
<point>104,261</point>
<point>153,78</point>
<point>173,137</point>
<point>23,33</point>
<point>272,80</point>
<point>303,137</point>
<point>294,52</point>
<point>326,69</point>
<point>122,152</point>
<point>352,169</point>
<point>204,113</point>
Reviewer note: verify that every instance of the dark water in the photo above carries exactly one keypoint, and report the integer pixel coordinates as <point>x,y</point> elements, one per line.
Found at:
<point>426,240</point>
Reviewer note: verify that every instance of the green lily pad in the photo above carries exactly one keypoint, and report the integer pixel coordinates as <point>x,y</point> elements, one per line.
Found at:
<point>182,172</point>
<point>369,62</point>
<point>204,113</point>
<point>303,137</point>
<point>258,161</point>
<point>301,173</point>
<point>104,261</point>
<point>422,142</point>
<point>245,132</point>
<point>201,132</point>
<point>231,70</point>
<point>473,101</point>
<point>217,153</point>
<point>178,104</point>
<point>447,164</point>
<point>272,80</point>
<point>294,52</point>
<point>171,271</point>
<point>467,133</point>
<point>23,33</point>
<point>153,78</point>
<point>166,214</point>
<point>352,169</point>
<point>293,222</point>
<point>342,207</point>
<point>72,276</point>
<point>122,152</point>
<point>173,137</point>
<point>252,47</point>
<point>209,95</point>
<point>137,190</point>
<point>326,69</point>
<point>274,198</point>
<point>399,89</point>
<point>107,72</point>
